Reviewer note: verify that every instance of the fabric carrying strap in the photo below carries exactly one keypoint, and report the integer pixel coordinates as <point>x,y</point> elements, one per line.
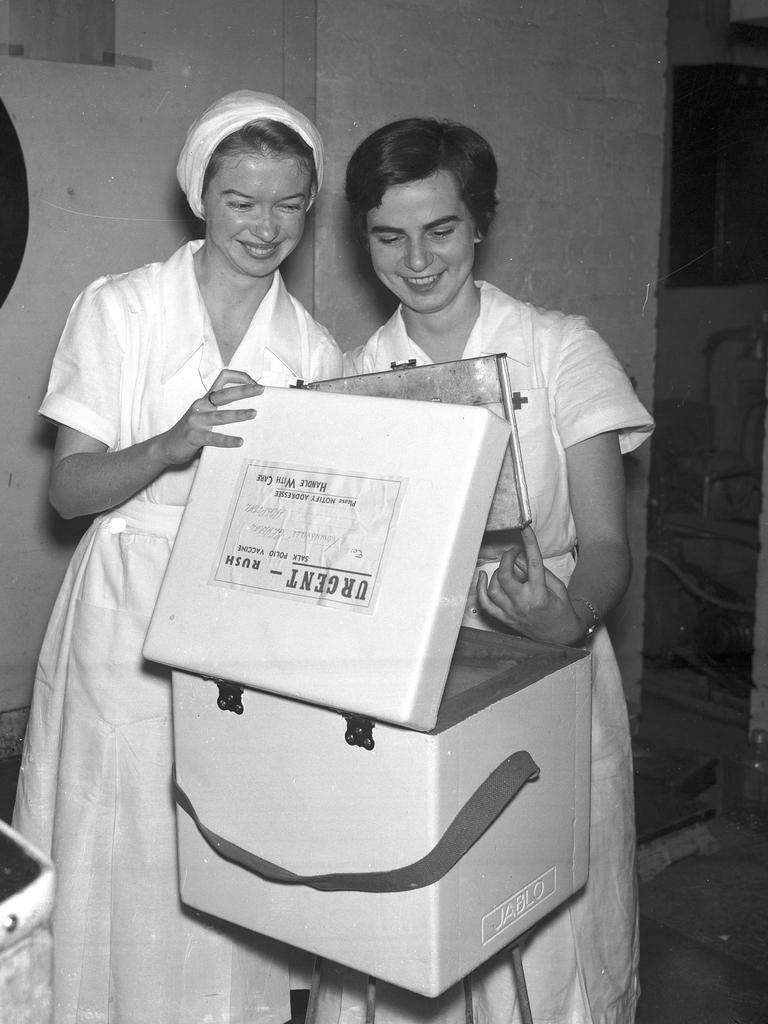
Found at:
<point>477,814</point>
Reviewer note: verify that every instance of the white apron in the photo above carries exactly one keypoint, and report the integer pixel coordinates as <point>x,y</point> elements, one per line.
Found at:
<point>94,789</point>
<point>581,962</point>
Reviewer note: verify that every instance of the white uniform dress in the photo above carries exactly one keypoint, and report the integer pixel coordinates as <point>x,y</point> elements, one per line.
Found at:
<point>94,789</point>
<point>581,962</point>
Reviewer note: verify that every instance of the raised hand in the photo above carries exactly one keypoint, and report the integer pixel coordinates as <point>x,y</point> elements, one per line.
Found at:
<point>524,595</point>
<point>195,428</point>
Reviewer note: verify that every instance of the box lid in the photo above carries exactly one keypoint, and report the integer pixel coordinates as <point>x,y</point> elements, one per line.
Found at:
<point>482,380</point>
<point>328,559</point>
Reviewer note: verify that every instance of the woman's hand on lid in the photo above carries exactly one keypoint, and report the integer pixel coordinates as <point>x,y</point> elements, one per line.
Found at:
<point>195,428</point>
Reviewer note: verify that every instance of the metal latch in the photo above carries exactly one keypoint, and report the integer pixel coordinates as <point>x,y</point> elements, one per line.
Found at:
<point>399,366</point>
<point>230,695</point>
<point>360,731</point>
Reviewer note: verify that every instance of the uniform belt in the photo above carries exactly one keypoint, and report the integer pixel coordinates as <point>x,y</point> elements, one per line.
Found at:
<point>141,516</point>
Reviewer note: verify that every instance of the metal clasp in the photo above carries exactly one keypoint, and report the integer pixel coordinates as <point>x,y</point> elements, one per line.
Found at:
<point>360,731</point>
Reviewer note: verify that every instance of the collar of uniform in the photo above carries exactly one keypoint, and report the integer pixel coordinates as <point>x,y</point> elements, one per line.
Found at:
<point>501,317</point>
<point>185,323</point>
<point>392,337</point>
<point>276,329</point>
<point>189,335</point>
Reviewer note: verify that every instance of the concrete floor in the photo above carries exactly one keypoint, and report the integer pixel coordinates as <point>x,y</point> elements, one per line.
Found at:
<point>704,918</point>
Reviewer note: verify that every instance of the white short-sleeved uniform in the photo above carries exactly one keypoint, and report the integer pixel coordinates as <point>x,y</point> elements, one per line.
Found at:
<point>580,963</point>
<point>94,789</point>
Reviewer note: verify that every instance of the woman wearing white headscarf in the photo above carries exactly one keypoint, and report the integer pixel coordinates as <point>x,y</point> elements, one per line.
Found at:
<point>148,364</point>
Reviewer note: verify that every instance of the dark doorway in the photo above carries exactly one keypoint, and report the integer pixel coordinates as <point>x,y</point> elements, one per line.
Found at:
<point>14,204</point>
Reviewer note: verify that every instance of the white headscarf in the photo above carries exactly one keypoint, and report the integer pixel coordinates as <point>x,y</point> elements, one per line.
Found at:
<point>228,115</point>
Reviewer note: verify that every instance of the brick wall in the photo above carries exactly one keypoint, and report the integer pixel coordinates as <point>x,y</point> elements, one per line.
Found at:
<point>571,96</point>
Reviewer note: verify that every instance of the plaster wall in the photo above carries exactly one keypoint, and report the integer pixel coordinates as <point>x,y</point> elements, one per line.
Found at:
<point>100,145</point>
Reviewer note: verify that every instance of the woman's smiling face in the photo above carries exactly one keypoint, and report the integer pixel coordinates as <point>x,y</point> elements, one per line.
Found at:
<point>422,242</point>
<point>255,209</point>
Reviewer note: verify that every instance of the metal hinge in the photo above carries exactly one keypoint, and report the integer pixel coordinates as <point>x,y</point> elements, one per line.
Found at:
<point>230,695</point>
<point>360,731</point>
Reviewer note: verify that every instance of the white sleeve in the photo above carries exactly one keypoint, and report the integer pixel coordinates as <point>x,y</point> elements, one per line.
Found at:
<point>593,393</point>
<point>84,385</point>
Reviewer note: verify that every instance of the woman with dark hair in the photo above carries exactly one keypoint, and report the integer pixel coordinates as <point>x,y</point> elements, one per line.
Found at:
<point>422,193</point>
<point>415,149</point>
<point>146,368</point>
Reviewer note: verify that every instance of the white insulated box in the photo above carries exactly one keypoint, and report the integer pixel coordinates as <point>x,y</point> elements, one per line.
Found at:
<point>280,782</point>
<point>274,668</point>
<point>329,557</point>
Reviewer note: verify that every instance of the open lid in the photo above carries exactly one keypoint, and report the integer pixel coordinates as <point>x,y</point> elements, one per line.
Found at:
<point>329,558</point>
<point>482,380</point>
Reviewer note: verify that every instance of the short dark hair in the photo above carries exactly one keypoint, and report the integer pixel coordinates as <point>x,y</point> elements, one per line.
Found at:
<point>267,138</point>
<point>416,148</point>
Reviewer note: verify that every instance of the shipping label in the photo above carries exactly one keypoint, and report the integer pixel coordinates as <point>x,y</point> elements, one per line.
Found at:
<point>307,534</point>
